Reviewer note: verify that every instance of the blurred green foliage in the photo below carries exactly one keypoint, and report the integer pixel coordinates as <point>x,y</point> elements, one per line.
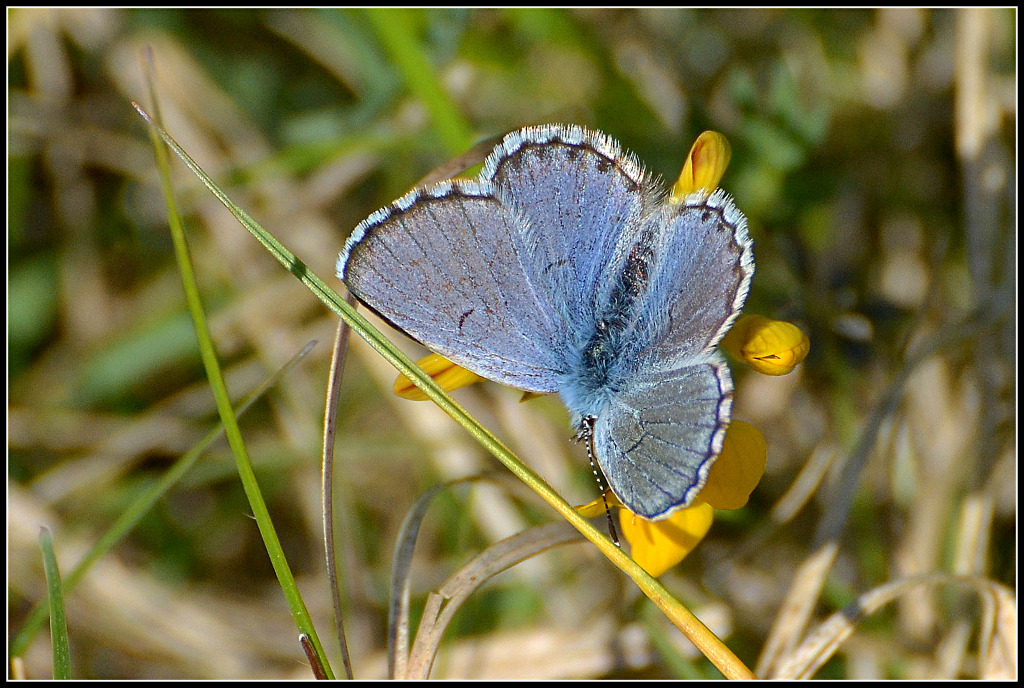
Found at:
<point>874,228</point>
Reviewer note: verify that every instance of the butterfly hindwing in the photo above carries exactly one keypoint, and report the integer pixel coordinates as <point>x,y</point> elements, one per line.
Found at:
<point>656,440</point>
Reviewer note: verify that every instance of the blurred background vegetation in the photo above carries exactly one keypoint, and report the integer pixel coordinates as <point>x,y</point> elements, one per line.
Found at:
<point>873,152</point>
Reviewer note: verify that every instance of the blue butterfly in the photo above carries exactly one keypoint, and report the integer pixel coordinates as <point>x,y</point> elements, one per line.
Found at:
<point>562,268</point>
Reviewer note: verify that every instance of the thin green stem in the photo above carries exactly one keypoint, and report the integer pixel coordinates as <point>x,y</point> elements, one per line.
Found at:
<point>231,429</point>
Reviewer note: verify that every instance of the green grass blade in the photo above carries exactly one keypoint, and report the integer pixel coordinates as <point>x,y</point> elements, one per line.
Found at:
<point>58,621</point>
<point>234,435</point>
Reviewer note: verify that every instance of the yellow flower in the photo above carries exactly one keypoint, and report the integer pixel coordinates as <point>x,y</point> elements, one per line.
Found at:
<point>444,372</point>
<point>704,166</point>
<point>771,347</point>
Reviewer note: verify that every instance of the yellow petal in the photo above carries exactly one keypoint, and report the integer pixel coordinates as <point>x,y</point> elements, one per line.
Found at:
<point>738,469</point>
<point>444,372</point>
<point>598,506</point>
<point>771,347</point>
<point>704,166</point>
<point>659,545</point>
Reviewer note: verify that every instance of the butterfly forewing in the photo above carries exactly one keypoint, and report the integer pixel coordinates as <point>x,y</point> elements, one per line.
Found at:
<point>580,194</point>
<point>442,264</point>
<point>699,279</point>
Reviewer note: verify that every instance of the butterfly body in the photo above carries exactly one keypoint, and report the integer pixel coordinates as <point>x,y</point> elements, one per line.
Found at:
<point>562,269</point>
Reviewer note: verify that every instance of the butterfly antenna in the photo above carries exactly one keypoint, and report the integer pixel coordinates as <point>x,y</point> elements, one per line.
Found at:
<point>589,436</point>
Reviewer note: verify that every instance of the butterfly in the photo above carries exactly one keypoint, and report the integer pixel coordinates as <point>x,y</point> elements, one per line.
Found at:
<point>563,268</point>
